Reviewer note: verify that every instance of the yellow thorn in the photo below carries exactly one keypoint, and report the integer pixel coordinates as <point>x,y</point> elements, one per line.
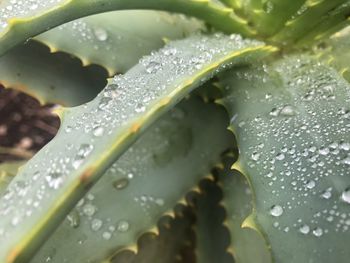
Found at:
<point>154,230</point>
<point>249,222</point>
<point>59,111</point>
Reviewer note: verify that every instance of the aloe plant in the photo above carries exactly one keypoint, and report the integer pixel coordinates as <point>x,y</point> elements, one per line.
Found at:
<point>201,131</point>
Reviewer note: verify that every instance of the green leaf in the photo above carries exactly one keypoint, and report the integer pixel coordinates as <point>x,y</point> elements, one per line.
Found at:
<point>174,154</point>
<point>270,16</point>
<point>305,20</point>
<point>22,20</point>
<point>94,135</point>
<point>330,23</point>
<point>117,40</point>
<point>247,245</point>
<point>174,243</point>
<point>50,78</point>
<point>334,51</point>
<point>212,237</point>
<point>58,78</point>
<point>8,171</point>
<point>294,148</point>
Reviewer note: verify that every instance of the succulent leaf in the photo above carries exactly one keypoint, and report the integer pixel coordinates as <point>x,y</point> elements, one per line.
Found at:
<point>24,19</point>
<point>330,23</point>
<point>212,237</point>
<point>334,51</point>
<point>305,20</point>
<point>173,153</point>
<point>174,243</point>
<point>247,245</point>
<point>7,173</point>
<point>94,135</point>
<point>294,149</point>
<point>117,40</point>
<point>50,78</point>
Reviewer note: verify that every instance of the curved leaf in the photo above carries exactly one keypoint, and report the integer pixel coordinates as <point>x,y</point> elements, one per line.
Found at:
<point>294,147</point>
<point>173,153</point>
<point>8,171</point>
<point>305,20</point>
<point>247,245</point>
<point>24,19</point>
<point>50,78</point>
<point>212,237</point>
<point>117,40</point>
<point>94,135</point>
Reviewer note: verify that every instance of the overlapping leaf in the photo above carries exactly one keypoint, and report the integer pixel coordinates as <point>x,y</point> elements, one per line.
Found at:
<point>94,135</point>
<point>294,148</point>
<point>146,182</point>
<point>20,20</point>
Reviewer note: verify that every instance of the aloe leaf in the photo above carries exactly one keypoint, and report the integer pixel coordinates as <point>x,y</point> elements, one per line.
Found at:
<point>8,171</point>
<point>294,149</point>
<point>305,20</point>
<point>125,203</point>
<point>117,40</point>
<point>174,243</point>
<point>330,23</point>
<point>50,78</point>
<point>334,51</point>
<point>212,238</point>
<point>247,245</point>
<point>94,135</point>
<point>22,19</point>
<point>271,15</point>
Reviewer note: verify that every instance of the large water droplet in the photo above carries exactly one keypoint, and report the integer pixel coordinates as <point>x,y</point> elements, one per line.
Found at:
<point>54,179</point>
<point>317,232</point>
<point>345,196</point>
<point>288,111</point>
<point>101,34</point>
<point>276,210</point>
<point>304,229</point>
<point>121,183</point>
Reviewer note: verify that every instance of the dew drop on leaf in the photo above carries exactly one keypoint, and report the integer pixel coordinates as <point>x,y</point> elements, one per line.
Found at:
<point>276,210</point>
<point>345,196</point>
<point>123,226</point>
<point>121,183</point>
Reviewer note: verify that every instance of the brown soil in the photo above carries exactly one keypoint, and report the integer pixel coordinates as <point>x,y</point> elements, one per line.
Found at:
<point>25,125</point>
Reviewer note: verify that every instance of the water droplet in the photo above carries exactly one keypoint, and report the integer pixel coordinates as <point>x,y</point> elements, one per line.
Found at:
<point>54,179</point>
<point>304,229</point>
<point>121,183</point>
<point>276,210</point>
<point>152,67</point>
<point>345,196</point>
<point>83,152</point>
<point>106,235</point>
<point>140,108</point>
<point>96,224</point>
<point>98,131</point>
<point>255,156</point>
<point>123,226</point>
<point>73,219</point>
<point>327,193</point>
<point>317,232</point>
<point>101,34</point>
<point>288,111</point>
<point>89,209</point>
<point>310,184</point>
<point>280,156</point>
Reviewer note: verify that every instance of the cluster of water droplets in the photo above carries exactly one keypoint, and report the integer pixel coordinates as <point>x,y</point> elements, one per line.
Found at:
<point>296,144</point>
<point>10,9</point>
